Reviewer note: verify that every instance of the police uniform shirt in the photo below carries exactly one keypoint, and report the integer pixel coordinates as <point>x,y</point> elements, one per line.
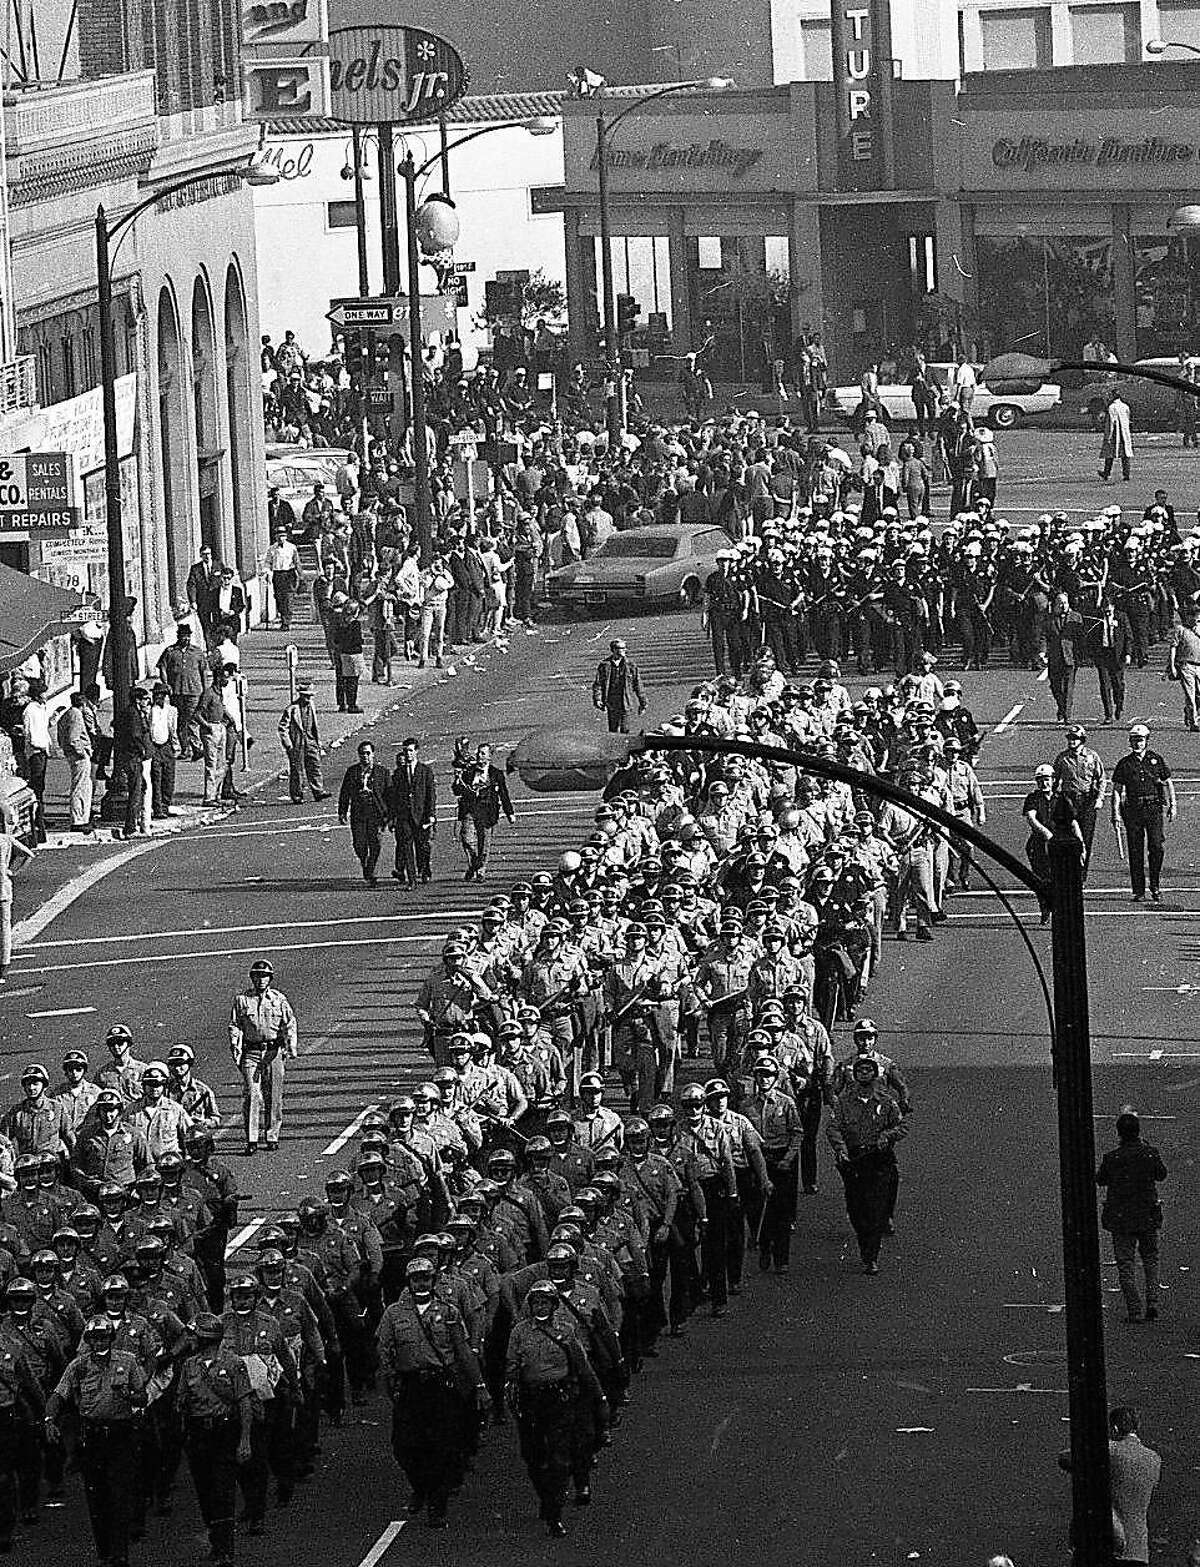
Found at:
<point>106,1390</point>
<point>127,1079</point>
<point>709,1145</point>
<point>256,1022</point>
<point>212,1386</point>
<point>163,1125</point>
<point>1081,776</point>
<point>773,1116</point>
<point>37,1127</point>
<point>858,1124</point>
<point>75,1102</point>
<point>600,1130</point>
<point>433,1339</point>
<point>1143,781</point>
<point>200,1102</point>
<point>18,1385</point>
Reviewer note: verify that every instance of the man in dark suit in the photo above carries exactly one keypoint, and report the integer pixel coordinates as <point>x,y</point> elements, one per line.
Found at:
<point>229,604</point>
<point>1063,626</point>
<point>363,801</point>
<point>413,801</point>
<point>482,792</point>
<point>203,583</point>
<point>617,686</point>
<point>1110,646</point>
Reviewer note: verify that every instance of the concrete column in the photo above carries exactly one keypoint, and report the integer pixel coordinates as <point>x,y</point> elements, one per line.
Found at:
<point>804,267</point>
<point>581,281</point>
<point>1123,285</point>
<point>681,299</point>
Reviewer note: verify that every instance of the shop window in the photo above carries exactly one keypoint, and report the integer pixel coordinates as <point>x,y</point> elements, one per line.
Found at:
<point>1045,296</point>
<point>69,379</point>
<point>340,215</point>
<point>816,51</point>
<point>1179,24</point>
<point>1016,40</point>
<point>1167,294</point>
<point>45,374</point>
<point>1106,34</point>
<point>708,257</point>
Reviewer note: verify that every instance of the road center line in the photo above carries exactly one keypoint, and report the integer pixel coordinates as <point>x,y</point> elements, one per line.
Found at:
<point>340,1141</point>
<point>247,1231</point>
<point>234,952</point>
<point>62,1012</point>
<point>242,930</point>
<point>379,1549</point>
<point>1006,721</point>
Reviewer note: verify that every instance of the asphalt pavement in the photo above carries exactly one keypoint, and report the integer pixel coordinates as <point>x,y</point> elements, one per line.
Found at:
<point>830,1418</point>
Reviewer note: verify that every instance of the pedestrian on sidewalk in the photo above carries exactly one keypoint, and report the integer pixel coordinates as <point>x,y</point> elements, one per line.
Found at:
<point>12,853</point>
<point>1132,1213</point>
<point>203,581</point>
<point>210,728</point>
<point>35,728</point>
<point>348,640</point>
<point>301,741</point>
<point>75,743</point>
<point>283,562</point>
<point>262,1034</point>
<point>482,792</point>
<point>182,669</point>
<point>231,706</point>
<point>363,801</point>
<point>165,749</point>
<point>436,583</point>
<point>131,739</point>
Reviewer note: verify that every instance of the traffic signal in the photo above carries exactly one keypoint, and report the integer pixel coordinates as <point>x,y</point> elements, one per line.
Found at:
<point>355,365</point>
<point>628,310</point>
<point>501,299</point>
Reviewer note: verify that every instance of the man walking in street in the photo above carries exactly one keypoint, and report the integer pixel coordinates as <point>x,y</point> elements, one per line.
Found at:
<point>1118,437</point>
<point>617,686</point>
<point>1183,663</point>
<point>363,801</point>
<point>413,803</point>
<point>1132,1213</point>
<point>75,743</point>
<point>1063,626</point>
<point>1079,775</point>
<point>301,741</point>
<point>262,1033</point>
<point>1143,792</point>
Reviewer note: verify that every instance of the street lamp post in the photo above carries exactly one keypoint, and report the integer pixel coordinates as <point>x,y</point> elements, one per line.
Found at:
<point>614,375</point>
<point>257,172</point>
<point>561,759</point>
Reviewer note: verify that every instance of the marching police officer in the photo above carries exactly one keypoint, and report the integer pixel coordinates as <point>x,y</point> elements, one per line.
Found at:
<point>432,1376</point>
<point>865,1125</point>
<point>1143,792</point>
<point>215,1408</point>
<point>262,1033</point>
<point>106,1388</point>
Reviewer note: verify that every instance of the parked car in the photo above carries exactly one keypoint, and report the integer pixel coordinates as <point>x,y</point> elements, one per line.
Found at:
<point>663,567</point>
<point>1151,406</point>
<point>1003,408</point>
<point>293,470</point>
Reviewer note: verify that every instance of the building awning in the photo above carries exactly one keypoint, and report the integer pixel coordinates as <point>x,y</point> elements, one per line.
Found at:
<point>31,612</point>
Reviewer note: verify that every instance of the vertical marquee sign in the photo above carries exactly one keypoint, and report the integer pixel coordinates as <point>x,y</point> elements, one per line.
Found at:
<point>862,80</point>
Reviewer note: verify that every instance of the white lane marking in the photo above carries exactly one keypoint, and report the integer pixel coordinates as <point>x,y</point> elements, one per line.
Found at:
<point>914,1430</point>
<point>241,930</point>
<point>1030,1305</point>
<point>234,952</point>
<point>340,1141</point>
<point>34,924</point>
<point>62,1012</point>
<point>1155,1055</point>
<point>236,1242</point>
<point>1106,1115</point>
<point>1012,713</point>
<point>379,1549</point>
<point>1045,674</point>
<point>1021,1387</point>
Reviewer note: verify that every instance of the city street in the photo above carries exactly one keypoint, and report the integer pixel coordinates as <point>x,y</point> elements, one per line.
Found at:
<point>830,1419</point>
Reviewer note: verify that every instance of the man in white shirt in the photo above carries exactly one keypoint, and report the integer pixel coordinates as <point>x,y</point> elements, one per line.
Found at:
<point>35,727</point>
<point>964,384</point>
<point>164,738</point>
<point>12,850</point>
<point>283,562</point>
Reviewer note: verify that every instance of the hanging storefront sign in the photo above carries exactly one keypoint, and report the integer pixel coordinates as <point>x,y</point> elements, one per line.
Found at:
<point>380,74</point>
<point>282,22</point>
<point>862,79</point>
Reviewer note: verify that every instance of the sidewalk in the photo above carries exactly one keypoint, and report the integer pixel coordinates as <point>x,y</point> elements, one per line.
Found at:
<point>264,664</point>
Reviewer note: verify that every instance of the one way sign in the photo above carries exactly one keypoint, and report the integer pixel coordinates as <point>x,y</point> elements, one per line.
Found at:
<point>366,312</point>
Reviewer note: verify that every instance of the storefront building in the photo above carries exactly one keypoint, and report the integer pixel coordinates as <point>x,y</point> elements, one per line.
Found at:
<point>733,220</point>
<point>1067,183</point>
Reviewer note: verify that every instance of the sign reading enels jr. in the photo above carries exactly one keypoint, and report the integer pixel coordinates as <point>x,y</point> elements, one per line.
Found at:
<point>385,75</point>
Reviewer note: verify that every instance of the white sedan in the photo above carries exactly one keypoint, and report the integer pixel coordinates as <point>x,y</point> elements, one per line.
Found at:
<point>1003,407</point>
